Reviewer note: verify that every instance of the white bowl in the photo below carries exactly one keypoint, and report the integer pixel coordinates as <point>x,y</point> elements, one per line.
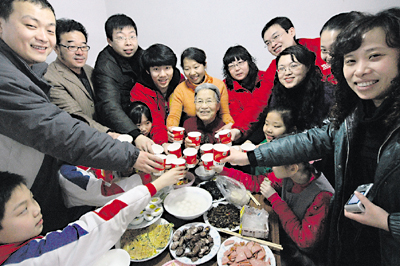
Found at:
<point>201,173</point>
<point>114,257</point>
<point>188,203</point>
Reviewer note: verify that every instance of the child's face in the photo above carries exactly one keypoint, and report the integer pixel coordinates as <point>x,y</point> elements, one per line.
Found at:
<point>22,217</point>
<point>145,126</point>
<point>273,126</point>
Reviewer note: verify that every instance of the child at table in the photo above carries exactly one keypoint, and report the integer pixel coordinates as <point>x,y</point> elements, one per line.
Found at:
<point>81,242</point>
<point>140,114</point>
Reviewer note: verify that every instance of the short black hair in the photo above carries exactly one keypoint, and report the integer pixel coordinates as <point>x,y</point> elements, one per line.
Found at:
<point>284,22</point>
<point>67,25</point>
<point>118,21</point>
<point>158,55</point>
<point>9,182</point>
<point>136,109</point>
<point>6,6</point>
<point>341,20</point>
<point>195,54</point>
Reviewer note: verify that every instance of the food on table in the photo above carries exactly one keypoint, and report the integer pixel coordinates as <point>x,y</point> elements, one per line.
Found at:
<point>148,217</point>
<point>224,216</point>
<point>155,200</point>
<point>187,206</point>
<point>143,243</point>
<point>194,242</point>
<point>241,253</point>
<point>157,211</point>
<point>183,181</point>
<point>211,186</point>
<point>137,220</point>
<point>151,207</point>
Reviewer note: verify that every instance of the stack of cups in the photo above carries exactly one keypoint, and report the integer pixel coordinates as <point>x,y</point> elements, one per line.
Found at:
<point>195,138</point>
<point>157,149</point>
<point>161,168</point>
<point>175,148</point>
<point>190,156</point>
<point>220,151</point>
<point>178,132</point>
<point>247,147</point>
<point>224,137</point>
<point>208,161</point>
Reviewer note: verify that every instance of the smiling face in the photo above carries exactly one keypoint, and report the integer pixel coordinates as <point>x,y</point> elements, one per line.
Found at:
<point>22,217</point>
<point>162,76</point>
<point>206,106</point>
<point>328,37</point>
<point>194,71</point>
<point>274,126</point>
<point>277,39</point>
<point>145,126</point>
<point>73,60</point>
<point>239,69</point>
<point>124,41</point>
<point>290,72</point>
<point>29,31</point>
<point>370,69</point>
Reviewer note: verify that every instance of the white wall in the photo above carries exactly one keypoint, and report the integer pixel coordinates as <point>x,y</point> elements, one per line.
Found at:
<point>212,25</point>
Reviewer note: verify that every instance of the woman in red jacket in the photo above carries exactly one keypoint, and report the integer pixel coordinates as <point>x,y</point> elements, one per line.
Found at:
<point>247,89</point>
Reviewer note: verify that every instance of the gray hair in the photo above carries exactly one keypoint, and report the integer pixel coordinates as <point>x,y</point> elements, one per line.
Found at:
<point>210,87</point>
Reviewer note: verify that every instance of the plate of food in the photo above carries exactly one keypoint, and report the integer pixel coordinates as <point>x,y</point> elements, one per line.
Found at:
<point>151,214</point>
<point>223,215</point>
<point>236,249</point>
<point>211,186</point>
<point>187,181</point>
<point>175,263</point>
<point>195,243</point>
<point>147,243</point>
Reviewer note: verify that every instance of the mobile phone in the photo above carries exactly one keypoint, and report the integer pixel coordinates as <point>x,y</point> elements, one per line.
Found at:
<point>354,204</point>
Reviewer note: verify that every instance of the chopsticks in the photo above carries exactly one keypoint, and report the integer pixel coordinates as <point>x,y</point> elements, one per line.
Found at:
<point>270,244</point>
<point>253,198</point>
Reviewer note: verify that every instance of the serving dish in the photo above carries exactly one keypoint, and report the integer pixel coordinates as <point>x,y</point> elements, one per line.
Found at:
<point>190,177</point>
<point>268,253</point>
<point>214,205</point>
<point>201,185</point>
<point>214,250</point>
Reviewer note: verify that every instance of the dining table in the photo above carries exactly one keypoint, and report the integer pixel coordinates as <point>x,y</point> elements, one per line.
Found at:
<point>273,236</point>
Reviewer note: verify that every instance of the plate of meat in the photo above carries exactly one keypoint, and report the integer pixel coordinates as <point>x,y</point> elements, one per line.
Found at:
<point>238,250</point>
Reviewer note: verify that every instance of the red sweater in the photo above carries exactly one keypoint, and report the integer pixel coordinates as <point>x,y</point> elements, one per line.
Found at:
<point>314,46</point>
<point>157,104</point>
<point>244,105</point>
<point>305,232</point>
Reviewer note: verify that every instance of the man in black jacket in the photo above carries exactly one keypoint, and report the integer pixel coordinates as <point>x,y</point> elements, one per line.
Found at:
<point>115,73</point>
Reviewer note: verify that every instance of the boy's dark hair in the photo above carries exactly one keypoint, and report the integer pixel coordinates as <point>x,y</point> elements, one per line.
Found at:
<point>158,55</point>
<point>67,25</point>
<point>284,22</point>
<point>136,109</point>
<point>118,21</point>
<point>8,182</point>
<point>341,20</point>
<point>240,53</point>
<point>6,6</point>
<point>195,54</point>
<point>349,40</point>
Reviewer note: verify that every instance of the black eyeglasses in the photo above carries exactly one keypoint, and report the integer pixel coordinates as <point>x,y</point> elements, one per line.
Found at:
<point>73,48</point>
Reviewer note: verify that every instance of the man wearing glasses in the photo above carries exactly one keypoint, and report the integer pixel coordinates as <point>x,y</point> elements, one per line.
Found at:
<point>70,76</point>
<point>279,34</point>
<point>115,72</point>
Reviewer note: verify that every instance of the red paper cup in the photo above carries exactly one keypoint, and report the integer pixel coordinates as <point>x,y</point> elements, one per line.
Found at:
<point>207,148</point>
<point>225,136</point>
<point>178,134</point>
<point>220,151</point>
<point>195,137</point>
<point>170,159</point>
<point>208,160</point>
<point>157,149</point>
<point>162,166</point>
<point>190,156</point>
<point>175,148</point>
<point>247,147</point>
<point>178,162</point>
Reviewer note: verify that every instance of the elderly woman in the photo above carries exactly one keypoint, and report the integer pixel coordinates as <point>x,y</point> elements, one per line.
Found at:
<point>207,121</point>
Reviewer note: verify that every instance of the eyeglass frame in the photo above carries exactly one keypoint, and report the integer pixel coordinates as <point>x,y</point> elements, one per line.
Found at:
<point>77,47</point>
<point>121,39</point>
<point>235,65</point>
<point>290,67</point>
<point>207,102</point>
<point>274,39</point>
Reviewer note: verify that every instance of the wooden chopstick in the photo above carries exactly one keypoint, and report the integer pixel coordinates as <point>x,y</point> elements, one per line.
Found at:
<point>253,198</point>
<point>270,244</point>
